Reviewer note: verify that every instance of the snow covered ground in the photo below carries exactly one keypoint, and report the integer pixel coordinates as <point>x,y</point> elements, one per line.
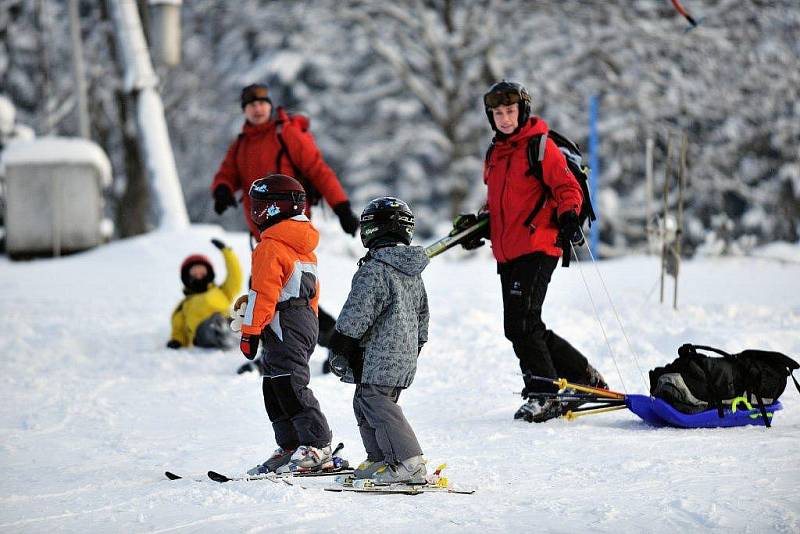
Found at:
<point>95,408</point>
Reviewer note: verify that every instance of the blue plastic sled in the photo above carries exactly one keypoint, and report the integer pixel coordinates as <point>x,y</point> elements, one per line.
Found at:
<point>658,412</point>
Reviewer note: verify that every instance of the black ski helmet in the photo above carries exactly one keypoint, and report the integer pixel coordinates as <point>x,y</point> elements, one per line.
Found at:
<point>505,93</point>
<point>386,220</point>
<point>275,198</point>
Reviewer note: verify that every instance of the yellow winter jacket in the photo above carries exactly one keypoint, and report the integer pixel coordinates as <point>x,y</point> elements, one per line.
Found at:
<point>197,307</point>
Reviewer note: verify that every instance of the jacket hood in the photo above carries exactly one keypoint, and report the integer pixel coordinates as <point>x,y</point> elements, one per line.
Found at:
<point>535,126</point>
<point>408,260</point>
<point>297,233</point>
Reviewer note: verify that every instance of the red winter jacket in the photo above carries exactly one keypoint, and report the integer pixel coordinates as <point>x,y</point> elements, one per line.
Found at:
<point>513,195</point>
<point>254,155</point>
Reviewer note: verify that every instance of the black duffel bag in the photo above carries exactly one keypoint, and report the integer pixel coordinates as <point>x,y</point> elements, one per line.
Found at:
<point>696,382</point>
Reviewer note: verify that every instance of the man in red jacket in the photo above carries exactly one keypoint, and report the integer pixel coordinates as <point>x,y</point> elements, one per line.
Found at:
<point>278,143</point>
<point>529,219</point>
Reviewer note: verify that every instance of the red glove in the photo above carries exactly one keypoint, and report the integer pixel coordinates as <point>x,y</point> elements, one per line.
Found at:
<point>249,346</point>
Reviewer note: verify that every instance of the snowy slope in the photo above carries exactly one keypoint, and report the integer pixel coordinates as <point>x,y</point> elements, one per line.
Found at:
<point>94,408</point>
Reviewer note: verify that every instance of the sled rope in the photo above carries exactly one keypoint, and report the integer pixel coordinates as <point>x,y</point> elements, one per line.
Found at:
<point>616,314</point>
<point>597,317</point>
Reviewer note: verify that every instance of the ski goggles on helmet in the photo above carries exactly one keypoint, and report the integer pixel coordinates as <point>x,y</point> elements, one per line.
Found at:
<point>501,98</point>
<point>254,92</point>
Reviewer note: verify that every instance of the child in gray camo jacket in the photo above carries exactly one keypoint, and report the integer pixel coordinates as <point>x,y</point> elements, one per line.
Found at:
<point>377,340</point>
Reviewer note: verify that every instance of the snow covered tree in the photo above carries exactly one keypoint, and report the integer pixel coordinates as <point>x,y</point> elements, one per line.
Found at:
<point>394,95</point>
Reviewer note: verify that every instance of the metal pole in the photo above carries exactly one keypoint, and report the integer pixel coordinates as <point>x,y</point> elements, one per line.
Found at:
<point>56,199</point>
<point>648,188</point>
<point>78,70</point>
<point>664,245</point>
<point>679,229</point>
<point>594,164</point>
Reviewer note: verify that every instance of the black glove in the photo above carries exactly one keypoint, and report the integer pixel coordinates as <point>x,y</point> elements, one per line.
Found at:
<point>173,344</point>
<point>249,346</point>
<point>217,243</point>
<point>245,368</point>
<point>569,229</point>
<point>347,218</point>
<point>337,364</point>
<point>350,348</point>
<point>568,233</point>
<point>223,198</point>
<point>466,220</point>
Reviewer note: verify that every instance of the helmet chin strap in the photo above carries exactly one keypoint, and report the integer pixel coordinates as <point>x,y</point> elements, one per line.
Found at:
<point>272,221</point>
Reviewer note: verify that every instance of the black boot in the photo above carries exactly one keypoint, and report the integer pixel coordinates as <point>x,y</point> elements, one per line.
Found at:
<point>539,410</point>
<point>593,378</point>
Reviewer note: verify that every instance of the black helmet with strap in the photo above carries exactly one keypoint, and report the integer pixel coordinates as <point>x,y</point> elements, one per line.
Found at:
<point>507,93</point>
<point>386,221</point>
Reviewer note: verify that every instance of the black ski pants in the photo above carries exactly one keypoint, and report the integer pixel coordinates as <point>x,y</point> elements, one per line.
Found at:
<point>291,406</point>
<point>541,352</point>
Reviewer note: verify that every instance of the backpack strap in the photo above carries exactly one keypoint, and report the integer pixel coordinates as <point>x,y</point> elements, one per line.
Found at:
<point>283,150</point>
<point>488,152</point>
<point>694,348</point>
<point>535,152</point>
<point>795,381</point>
<point>536,148</point>
<point>763,410</point>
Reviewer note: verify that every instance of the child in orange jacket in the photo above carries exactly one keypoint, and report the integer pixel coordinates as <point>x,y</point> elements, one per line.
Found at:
<point>282,313</point>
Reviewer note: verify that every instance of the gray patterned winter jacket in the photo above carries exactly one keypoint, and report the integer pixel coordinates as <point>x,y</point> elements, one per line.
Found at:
<point>387,309</point>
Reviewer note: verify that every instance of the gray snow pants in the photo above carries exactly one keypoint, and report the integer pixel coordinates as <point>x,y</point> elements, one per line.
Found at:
<point>291,406</point>
<point>384,429</point>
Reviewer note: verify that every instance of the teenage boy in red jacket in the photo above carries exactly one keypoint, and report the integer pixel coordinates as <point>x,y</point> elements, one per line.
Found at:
<point>278,143</point>
<point>528,219</point>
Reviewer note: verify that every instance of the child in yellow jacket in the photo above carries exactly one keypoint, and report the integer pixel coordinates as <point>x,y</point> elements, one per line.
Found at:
<point>201,318</point>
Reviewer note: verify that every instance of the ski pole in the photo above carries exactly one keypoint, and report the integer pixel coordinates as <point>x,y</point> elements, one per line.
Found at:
<point>562,383</point>
<point>579,397</point>
<point>571,416</point>
<point>602,404</point>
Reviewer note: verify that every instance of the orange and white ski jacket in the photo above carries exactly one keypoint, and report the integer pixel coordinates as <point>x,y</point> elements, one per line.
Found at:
<point>284,274</point>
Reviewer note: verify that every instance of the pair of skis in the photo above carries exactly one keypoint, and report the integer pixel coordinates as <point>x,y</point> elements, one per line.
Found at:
<point>345,482</point>
<point>272,477</point>
<point>339,467</point>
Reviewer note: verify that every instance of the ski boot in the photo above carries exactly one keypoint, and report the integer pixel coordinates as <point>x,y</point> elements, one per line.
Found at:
<point>409,471</point>
<point>307,459</point>
<point>593,378</point>
<point>278,459</point>
<point>367,468</point>
<point>539,410</point>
